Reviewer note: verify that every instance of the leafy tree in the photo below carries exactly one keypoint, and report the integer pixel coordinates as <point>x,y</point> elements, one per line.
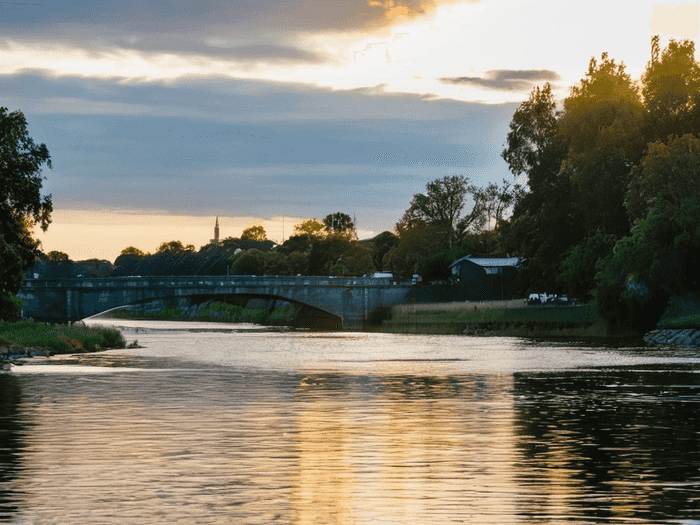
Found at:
<point>602,127</point>
<point>442,206</point>
<point>56,256</point>
<point>357,260</point>
<point>298,263</point>
<point>298,243</point>
<point>542,226</point>
<point>495,200</point>
<point>381,244</point>
<point>671,90</point>
<point>532,147</point>
<point>324,254</point>
<point>311,227</point>
<point>21,203</point>
<point>249,262</point>
<point>130,250</point>
<point>415,243</point>
<point>254,233</point>
<point>340,224</point>
<point>175,247</point>
<point>663,250</point>
<point>277,263</point>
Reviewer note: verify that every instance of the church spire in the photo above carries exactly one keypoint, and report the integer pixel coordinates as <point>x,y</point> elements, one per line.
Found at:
<point>215,240</point>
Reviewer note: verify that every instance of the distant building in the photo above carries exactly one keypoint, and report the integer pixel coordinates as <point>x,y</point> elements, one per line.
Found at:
<point>484,278</point>
<point>215,240</point>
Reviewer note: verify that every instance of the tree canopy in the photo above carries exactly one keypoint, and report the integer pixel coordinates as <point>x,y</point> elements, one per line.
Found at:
<point>254,233</point>
<point>22,205</point>
<point>612,197</point>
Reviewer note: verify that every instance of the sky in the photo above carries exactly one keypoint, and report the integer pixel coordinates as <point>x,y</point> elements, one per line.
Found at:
<point>161,115</point>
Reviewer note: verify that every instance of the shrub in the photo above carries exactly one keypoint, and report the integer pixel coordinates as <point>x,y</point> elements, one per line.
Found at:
<point>10,308</point>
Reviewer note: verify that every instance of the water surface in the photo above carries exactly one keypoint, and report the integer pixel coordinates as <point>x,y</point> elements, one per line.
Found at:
<point>213,423</point>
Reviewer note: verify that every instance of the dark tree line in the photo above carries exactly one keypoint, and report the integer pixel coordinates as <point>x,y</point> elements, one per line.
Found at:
<point>612,205</point>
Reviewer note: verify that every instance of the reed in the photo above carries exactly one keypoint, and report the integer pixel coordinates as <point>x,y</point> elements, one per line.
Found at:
<point>59,338</point>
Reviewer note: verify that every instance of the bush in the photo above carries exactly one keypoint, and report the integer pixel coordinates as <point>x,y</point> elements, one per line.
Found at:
<point>10,308</point>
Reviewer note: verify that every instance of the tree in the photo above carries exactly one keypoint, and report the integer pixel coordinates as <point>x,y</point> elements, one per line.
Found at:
<point>175,247</point>
<point>663,250</point>
<point>671,90</point>
<point>441,207</point>
<point>56,256</point>
<point>495,201</point>
<point>382,243</point>
<point>340,224</point>
<point>130,250</point>
<point>254,233</point>
<point>21,204</point>
<point>249,262</point>
<point>602,127</point>
<point>311,227</point>
<point>531,141</point>
<point>415,243</point>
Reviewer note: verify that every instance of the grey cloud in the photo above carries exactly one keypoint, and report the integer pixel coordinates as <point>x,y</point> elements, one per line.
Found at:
<point>175,17</point>
<point>268,52</point>
<point>505,79</point>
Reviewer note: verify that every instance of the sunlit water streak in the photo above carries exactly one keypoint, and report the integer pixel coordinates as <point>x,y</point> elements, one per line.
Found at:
<point>217,423</point>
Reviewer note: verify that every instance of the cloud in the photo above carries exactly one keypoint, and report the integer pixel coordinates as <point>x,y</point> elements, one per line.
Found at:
<point>505,79</point>
<point>192,17</point>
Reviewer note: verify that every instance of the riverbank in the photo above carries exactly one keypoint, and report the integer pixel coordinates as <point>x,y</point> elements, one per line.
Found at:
<point>506,318</point>
<point>31,339</point>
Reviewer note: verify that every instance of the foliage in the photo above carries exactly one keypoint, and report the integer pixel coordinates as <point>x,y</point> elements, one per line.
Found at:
<point>254,233</point>
<point>436,266</point>
<point>663,250</point>
<point>671,90</point>
<point>62,338</point>
<point>130,250</point>
<point>581,265</point>
<point>324,255</point>
<point>601,124</point>
<point>442,206</point>
<point>175,247</point>
<point>21,203</point>
<point>221,312</point>
<point>381,245</point>
<point>10,307</point>
<point>531,135</point>
<point>415,243</point>
<point>356,260</point>
<point>56,256</point>
<point>250,262</point>
<point>298,243</point>
<point>340,224</point>
<point>313,228</point>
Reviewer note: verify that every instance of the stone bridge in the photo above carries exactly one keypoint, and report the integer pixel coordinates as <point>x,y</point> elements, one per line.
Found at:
<point>349,299</point>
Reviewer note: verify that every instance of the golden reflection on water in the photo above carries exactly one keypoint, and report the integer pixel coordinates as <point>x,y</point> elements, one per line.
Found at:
<point>317,449</point>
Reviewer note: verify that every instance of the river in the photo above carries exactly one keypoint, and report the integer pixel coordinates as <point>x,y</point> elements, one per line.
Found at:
<point>211,423</point>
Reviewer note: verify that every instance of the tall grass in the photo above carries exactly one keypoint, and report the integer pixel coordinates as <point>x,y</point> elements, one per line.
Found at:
<point>61,338</point>
<point>514,311</point>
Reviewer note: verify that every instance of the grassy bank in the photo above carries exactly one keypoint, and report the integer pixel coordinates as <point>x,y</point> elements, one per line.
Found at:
<point>58,339</point>
<point>512,318</point>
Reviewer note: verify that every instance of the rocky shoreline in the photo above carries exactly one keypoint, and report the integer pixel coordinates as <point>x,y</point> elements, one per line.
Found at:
<point>687,338</point>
